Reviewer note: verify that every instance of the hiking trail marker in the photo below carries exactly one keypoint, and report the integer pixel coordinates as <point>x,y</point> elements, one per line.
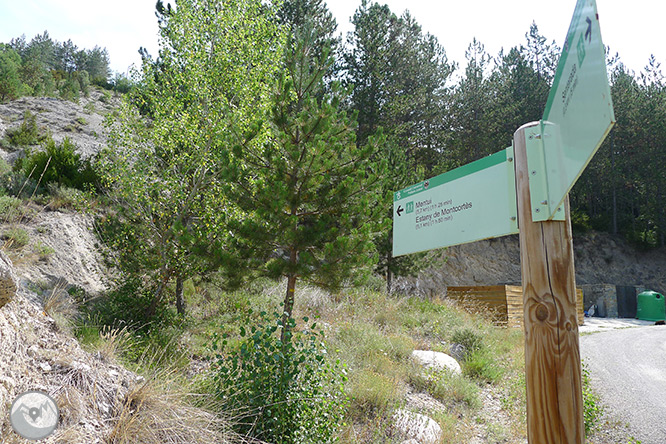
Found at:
<point>527,184</point>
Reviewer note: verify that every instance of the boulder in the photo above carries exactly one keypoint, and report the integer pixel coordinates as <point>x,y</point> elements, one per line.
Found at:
<point>437,361</point>
<point>418,428</point>
<point>7,280</point>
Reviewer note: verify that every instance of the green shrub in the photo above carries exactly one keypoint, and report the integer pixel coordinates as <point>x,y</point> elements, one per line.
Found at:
<point>481,365</point>
<point>446,387</point>
<point>286,391</point>
<point>127,304</point>
<point>27,133</point>
<point>16,238</point>
<point>59,163</point>
<point>10,209</point>
<point>469,339</point>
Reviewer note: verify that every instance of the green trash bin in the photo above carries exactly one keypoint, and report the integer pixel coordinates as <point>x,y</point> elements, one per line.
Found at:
<point>650,306</point>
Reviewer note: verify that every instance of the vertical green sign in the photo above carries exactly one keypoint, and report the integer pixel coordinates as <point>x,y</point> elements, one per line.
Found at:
<point>578,115</point>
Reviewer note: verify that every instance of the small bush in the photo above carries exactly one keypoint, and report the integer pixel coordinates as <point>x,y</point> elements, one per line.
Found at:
<point>59,163</point>
<point>373,394</point>
<point>27,133</point>
<point>10,209</point>
<point>16,238</point>
<point>43,250</point>
<point>285,391</point>
<point>447,387</point>
<point>480,365</point>
<point>469,339</point>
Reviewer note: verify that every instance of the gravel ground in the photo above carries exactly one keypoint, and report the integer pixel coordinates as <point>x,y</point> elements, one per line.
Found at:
<point>628,370</point>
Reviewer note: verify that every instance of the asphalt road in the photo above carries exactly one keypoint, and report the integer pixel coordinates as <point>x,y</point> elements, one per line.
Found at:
<point>628,370</point>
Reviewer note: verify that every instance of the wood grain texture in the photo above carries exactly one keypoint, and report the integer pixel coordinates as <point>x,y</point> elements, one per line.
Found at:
<point>552,354</point>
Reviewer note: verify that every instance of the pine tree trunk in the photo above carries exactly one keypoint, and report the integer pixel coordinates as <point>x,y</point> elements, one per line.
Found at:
<point>180,302</point>
<point>289,297</point>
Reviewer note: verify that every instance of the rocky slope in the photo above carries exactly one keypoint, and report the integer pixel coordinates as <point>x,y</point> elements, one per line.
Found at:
<point>82,122</point>
<point>600,258</point>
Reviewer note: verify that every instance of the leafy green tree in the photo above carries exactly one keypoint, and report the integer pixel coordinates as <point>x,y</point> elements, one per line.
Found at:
<point>10,82</point>
<point>308,191</point>
<point>216,62</point>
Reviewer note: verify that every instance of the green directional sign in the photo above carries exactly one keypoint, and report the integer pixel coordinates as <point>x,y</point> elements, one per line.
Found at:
<point>578,115</point>
<point>476,201</point>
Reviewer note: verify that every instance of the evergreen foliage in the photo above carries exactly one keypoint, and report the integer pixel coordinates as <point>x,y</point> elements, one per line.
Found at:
<point>308,192</point>
<point>43,66</point>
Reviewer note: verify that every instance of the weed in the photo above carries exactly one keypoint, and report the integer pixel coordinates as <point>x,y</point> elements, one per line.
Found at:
<point>16,238</point>
<point>89,108</point>
<point>447,387</point>
<point>10,209</point>
<point>373,394</point>
<point>28,133</point>
<point>592,409</point>
<point>481,365</point>
<point>43,250</point>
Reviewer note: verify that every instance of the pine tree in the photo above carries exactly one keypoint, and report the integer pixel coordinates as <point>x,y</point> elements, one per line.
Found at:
<point>308,191</point>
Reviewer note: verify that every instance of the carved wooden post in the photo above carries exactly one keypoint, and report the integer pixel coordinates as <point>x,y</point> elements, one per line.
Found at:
<point>552,355</point>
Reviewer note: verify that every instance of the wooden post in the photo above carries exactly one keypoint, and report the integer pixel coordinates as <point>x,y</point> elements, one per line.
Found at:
<point>552,355</point>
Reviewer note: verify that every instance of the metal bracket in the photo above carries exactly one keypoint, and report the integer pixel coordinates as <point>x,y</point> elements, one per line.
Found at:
<point>542,208</point>
<point>513,203</point>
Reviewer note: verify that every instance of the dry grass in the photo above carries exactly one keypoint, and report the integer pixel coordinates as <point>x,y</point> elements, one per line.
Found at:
<point>160,410</point>
<point>113,343</point>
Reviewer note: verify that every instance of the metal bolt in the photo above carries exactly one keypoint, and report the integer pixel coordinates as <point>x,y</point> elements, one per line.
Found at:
<point>513,217</point>
<point>537,210</point>
<point>533,172</point>
<point>531,136</point>
<point>559,209</point>
<point>510,159</point>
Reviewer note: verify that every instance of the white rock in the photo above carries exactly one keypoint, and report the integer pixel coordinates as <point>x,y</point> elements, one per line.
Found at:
<point>419,428</point>
<point>437,361</point>
<point>410,441</point>
<point>32,350</point>
<point>45,366</point>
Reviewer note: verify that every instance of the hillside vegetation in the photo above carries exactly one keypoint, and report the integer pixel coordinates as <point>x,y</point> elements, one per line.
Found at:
<point>218,237</point>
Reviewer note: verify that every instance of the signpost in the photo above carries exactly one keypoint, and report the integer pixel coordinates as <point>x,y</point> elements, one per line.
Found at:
<point>530,182</point>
